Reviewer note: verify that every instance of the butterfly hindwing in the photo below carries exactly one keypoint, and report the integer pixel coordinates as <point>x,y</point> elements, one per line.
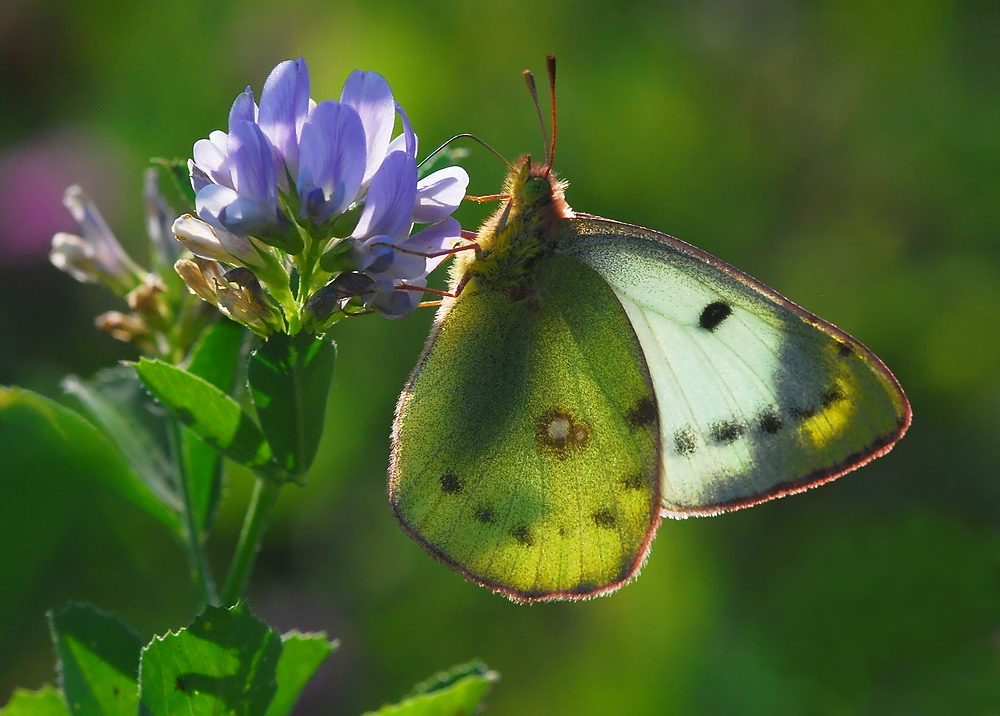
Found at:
<point>525,444</point>
<point>757,397</point>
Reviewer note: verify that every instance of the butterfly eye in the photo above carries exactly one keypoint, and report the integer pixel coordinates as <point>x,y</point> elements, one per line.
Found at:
<point>536,188</point>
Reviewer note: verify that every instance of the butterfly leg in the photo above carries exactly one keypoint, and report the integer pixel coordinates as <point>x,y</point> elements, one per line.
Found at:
<point>488,197</point>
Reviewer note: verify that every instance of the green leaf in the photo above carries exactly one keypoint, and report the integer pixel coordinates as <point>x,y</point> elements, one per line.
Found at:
<point>454,692</point>
<point>47,701</point>
<point>224,663</point>
<point>31,425</point>
<point>213,415</point>
<point>98,661</point>
<point>301,655</point>
<point>117,402</point>
<point>219,353</point>
<point>289,379</point>
<point>217,358</point>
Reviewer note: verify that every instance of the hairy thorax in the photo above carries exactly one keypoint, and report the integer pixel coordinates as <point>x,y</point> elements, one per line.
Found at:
<point>518,234</point>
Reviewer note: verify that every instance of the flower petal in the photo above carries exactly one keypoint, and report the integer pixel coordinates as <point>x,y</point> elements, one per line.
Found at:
<point>391,195</point>
<point>72,254</point>
<point>434,238</point>
<point>211,242</point>
<point>396,303</point>
<point>374,255</point>
<point>159,217</point>
<point>107,252</point>
<point>370,96</point>
<point>439,194</point>
<point>409,138</point>
<point>284,103</point>
<point>252,164</point>
<point>332,151</point>
<point>213,159</point>
<point>211,202</point>
<point>244,109</point>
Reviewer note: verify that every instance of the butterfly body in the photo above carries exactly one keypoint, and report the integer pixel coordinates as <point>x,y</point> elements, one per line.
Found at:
<point>591,376</point>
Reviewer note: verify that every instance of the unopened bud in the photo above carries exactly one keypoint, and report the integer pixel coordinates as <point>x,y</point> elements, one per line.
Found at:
<point>145,298</point>
<point>122,326</point>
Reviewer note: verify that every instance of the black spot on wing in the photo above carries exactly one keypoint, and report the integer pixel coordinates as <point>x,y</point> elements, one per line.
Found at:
<point>605,518</point>
<point>831,395</point>
<point>642,414</point>
<point>523,535</point>
<point>634,481</point>
<point>451,484</point>
<point>484,515</point>
<point>769,422</point>
<point>713,314</point>
<point>726,432</point>
<point>802,413</point>
<point>844,350</point>
<point>685,441</point>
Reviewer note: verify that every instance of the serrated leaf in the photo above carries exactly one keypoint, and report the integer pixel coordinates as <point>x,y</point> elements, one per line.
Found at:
<point>217,358</point>
<point>455,692</point>
<point>289,378</point>
<point>98,661</point>
<point>301,655</point>
<point>224,663</point>
<point>213,415</point>
<point>47,701</point>
<point>118,403</point>
<point>33,427</point>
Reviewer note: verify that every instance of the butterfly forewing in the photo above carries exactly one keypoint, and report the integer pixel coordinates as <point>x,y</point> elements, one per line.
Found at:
<point>757,397</point>
<point>525,445</point>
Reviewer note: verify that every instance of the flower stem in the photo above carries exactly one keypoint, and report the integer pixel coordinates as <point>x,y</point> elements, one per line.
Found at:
<point>265,494</point>
<point>201,573</point>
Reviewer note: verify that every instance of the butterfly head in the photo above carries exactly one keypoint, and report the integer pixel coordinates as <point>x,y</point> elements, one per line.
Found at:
<point>536,193</point>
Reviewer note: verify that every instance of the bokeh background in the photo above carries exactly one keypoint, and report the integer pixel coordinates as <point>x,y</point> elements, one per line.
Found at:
<point>845,152</point>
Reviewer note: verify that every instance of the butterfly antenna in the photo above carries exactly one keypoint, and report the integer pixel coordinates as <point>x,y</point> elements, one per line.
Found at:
<point>529,79</point>
<point>550,62</point>
<point>475,139</point>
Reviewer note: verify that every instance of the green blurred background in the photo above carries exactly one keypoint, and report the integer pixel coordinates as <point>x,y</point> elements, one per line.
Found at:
<point>846,153</point>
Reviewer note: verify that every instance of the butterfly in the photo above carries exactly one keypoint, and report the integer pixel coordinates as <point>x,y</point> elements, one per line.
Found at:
<point>588,377</point>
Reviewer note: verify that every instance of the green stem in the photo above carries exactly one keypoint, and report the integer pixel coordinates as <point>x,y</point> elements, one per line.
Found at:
<point>201,573</point>
<point>265,494</point>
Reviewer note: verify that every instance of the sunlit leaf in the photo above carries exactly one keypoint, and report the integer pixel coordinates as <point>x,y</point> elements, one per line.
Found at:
<point>98,661</point>
<point>213,415</point>
<point>224,663</point>
<point>47,701</point>
<point>455,692</point>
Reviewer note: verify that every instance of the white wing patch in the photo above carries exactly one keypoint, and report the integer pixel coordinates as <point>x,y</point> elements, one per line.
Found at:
<point>756,397</point>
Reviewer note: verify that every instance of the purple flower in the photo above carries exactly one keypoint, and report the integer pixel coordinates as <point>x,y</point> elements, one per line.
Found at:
<point>332,166</point>
<point>368,94</point>
<point>384,249</point>
<point>234,175</point>
<point>287,170</point>
<point>284,104</point>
